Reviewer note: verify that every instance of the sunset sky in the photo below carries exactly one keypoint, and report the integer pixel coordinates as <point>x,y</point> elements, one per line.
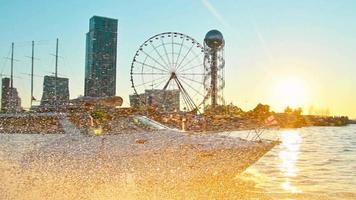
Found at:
<point>278,52</point>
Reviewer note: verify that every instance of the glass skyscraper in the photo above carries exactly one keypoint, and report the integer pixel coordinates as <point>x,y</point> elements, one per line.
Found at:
<point>100,60</point>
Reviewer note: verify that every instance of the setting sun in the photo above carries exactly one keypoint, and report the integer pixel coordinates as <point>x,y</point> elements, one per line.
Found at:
<point>290,92</point>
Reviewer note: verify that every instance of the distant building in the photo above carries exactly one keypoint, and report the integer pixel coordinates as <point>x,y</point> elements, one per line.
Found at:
<point>164,100</point>
<point>55,93</point>
<point>83,101</point>
<point>10,100</point>
<point>100,60</point>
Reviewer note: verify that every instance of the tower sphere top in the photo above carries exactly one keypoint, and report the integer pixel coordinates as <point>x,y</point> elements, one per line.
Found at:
<point>214,39</point>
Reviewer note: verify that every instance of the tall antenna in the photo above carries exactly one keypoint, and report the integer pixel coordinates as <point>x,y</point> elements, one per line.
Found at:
<point>56,69</point>
<point>12,66</point>
<point>56,75</point>
<point>12,74</point>
<point>32,59</point>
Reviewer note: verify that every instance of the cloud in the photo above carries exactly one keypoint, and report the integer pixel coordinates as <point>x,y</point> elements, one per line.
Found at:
<point>260,37</point>
<point>215,13</point>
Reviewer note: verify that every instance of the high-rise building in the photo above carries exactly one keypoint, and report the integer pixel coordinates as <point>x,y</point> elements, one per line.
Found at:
<point>10,100</point>
<point>164,100</point>
<point>100,60</point>
<point>55,93</point>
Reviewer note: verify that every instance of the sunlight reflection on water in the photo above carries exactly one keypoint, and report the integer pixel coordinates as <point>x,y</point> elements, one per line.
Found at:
<point>289,155</point>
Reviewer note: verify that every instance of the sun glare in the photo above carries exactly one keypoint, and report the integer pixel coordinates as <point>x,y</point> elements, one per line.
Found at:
<point>290,92</point>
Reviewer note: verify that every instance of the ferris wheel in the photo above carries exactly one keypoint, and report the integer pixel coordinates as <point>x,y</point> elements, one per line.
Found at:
<point>167,62</point>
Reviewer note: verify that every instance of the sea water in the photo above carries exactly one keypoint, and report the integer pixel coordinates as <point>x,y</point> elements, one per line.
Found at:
<point>310,162</point>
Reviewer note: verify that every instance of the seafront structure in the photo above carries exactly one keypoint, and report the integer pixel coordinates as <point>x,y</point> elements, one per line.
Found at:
<point>166,62</point>
<point>10,100</point>
<point>100,60</point>
<point>164,100</point>
<point>55,93</point>
<point>214,64</point>
<point>176,61</point>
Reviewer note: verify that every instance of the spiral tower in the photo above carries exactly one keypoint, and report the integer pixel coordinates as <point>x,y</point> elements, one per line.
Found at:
<point>214,64</point>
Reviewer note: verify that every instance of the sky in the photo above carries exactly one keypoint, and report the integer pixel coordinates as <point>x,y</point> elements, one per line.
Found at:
<point>277,52</point>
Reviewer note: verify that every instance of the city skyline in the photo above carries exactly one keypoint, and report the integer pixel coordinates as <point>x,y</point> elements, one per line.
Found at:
<point>304,46</point>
